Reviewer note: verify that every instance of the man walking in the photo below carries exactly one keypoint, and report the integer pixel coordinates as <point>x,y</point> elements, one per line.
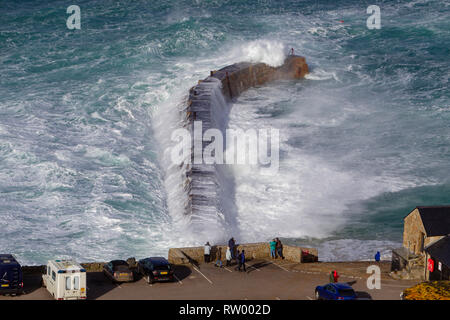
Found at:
<point>242,261</point>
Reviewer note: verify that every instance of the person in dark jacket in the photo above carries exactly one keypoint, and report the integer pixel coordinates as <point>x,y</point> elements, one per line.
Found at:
<point>231,244</point>
<point>241,259</point>
<point>279,248</point>
<point>238,260</point>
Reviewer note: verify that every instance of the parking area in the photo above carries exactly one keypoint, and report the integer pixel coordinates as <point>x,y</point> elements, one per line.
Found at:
<point>264,279</point>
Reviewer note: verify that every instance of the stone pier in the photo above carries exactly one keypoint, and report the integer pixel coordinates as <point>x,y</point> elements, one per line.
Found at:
<point>203,182</point>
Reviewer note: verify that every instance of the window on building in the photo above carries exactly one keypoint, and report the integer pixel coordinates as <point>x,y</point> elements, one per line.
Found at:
<point>53,275</point>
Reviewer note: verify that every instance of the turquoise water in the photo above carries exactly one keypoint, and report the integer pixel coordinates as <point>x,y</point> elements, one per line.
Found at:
<point>85,116</point>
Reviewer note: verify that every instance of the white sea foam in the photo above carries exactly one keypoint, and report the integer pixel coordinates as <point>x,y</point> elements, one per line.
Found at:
<point>168,116</point>
<point>355,250</point>
<point>271,52</point>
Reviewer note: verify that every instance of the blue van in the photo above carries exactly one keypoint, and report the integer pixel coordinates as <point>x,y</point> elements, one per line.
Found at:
<point>11,278</point>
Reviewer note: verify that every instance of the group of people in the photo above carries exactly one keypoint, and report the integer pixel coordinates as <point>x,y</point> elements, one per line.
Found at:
<point>229,255</point>
<point>276,250</point>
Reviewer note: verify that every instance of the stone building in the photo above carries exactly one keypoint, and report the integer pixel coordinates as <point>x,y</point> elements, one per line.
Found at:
<point>438,255</point>
<point>424,235</point>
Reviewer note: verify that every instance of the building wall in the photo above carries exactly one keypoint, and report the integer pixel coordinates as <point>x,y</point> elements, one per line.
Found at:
<point>413,233</point>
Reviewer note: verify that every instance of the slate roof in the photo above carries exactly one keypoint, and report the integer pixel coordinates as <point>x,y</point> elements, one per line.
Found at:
<point>440,250</point>
<point>435,219</point>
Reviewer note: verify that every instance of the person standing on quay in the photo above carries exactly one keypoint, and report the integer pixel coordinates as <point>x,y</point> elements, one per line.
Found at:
<point>273,246</point>
<point>207,252</point>
<point>238,260</point>
<point>279,248</point>
<point>377,256</point>
<point>242,261</point>
<point>219,258</point>
<point>231,244</point>
<point>334,276</point>
<point>228,256</point>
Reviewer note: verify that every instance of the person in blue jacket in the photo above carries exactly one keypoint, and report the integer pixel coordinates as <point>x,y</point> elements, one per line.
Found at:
<point>377,256</point>
<point>242,261</point>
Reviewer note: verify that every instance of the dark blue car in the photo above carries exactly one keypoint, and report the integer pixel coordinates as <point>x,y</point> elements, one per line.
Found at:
<point>335,291</point>
<point>10,275</point>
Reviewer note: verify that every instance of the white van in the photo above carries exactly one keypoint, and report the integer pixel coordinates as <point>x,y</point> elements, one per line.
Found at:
<point>65,280</point>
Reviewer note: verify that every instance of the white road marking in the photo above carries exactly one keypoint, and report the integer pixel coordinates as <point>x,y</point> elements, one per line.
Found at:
<point>277,298</point>
<point>202,275</point>
<point>309,297</point>
<point>280,266</point>
<point>227,269</point>
<point>179,281</point>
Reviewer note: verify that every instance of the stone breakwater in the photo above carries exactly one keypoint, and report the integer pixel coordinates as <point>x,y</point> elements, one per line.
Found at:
<point>208,186</point>
<point>194,255</point>
<point>259,251</point>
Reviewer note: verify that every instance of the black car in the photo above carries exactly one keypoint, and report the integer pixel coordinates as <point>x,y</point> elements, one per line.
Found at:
<point>11,278</point>
<point>155,269</point>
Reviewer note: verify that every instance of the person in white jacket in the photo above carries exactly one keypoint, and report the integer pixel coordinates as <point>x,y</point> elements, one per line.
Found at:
<point>228,256</point>
<point>207,252</point>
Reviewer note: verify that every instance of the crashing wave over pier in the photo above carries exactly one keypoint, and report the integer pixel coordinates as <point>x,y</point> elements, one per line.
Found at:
<point>210,187</point>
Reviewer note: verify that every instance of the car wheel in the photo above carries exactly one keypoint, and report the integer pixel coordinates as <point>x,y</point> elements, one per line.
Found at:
<point>317,295</point>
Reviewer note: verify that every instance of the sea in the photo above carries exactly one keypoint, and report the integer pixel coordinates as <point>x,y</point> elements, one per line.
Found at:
<point>86,117</point>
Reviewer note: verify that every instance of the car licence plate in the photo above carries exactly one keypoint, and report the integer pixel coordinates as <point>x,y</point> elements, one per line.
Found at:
<point>164,272</point>
<point>124,274</point>
<point>5,285</point>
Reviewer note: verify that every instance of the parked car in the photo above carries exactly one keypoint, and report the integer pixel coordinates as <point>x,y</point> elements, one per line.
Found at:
<point>335,291</point>
<point>11,278</point>
<point>118,271</point>
<point>155,269</point>
<point>65,280</point>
